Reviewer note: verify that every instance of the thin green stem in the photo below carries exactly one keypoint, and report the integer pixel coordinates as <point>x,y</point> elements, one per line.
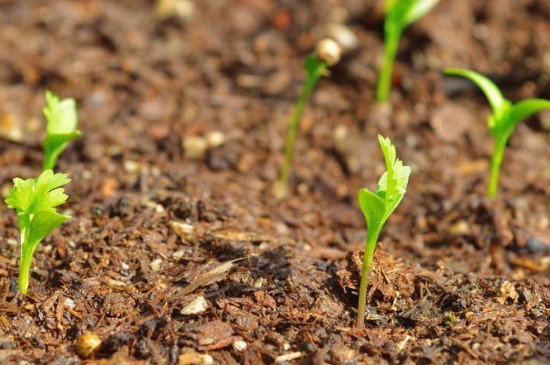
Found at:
<point>496,162</point>
<point>392,36</point>
<point>291,135</point>
<point>24,272</point>
<point>370,246</point>
<point>49,161</point>
<point>314,70</point>
<point>26,257</point>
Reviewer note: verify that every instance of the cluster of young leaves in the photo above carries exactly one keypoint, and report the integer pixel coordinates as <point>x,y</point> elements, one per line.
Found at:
<point>62,120</point>
<point>399,15</point>
<point>377,207</point>
<point>502,121</point>
<point>35,201</point>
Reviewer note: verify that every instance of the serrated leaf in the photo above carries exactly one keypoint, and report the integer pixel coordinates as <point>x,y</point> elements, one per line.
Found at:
<point>392,186</point>
<point>377,206</point>
<point>35,201</point>
<point>33,195</point>
<point>491,91</point>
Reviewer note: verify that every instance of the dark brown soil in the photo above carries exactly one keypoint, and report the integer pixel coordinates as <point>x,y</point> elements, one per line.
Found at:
<point>457,279</point>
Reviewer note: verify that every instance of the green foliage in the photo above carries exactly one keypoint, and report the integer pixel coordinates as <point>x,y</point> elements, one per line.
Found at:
<point>399,14</point>
<point>62,120</point>
<point>35,201</point>
<point>503,120</point>
<point>315,68</point>
<point>377,206</point>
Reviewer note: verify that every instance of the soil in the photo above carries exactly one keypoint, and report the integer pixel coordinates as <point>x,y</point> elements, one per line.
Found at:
<point>175,260</point>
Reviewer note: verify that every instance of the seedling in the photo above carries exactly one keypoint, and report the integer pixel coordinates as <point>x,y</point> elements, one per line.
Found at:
<point>399,14</point>
<point>35,201</point>
<point>377,207</point>
<point>328,53</point>
<point>502,121</point>
<point>62,120</point>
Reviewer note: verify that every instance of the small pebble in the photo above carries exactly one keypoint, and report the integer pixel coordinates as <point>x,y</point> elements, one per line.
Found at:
<point>215,139</point>
<point>178,254</point>
<point>534,245</point>
<point>131,166</point>
<point>197,305</point>
<point>155,264</point>
<point>194,358</point>
<point>182,9</point>
<point>69,303</point>
<point>194,147</point>
<point>87,345</point>
<point>258,283</point>
<point>239,345</point>
<point>459,228</point>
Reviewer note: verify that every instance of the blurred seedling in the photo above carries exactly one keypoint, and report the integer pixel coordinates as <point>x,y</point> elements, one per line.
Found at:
<point>377,206</point>
<point>62,120</point>
<point>35,201</point>
<point>502,121</point>
<point>328,53</point>
<point>398,15</point>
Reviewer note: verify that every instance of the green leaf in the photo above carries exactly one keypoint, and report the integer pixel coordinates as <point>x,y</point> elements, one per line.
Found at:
<point>42,224</point>
<point>35,201</point>
<point>417,9</point>
<point>491,91</point>
<point>315,68</point>
<point>61,115</point>
<point>523,110</point>
<point>373,209</point>
<point>402,13</point>
<point>33,195</point>
<point>62,119</point>
<point>54,144</point>
<point>392,186</point>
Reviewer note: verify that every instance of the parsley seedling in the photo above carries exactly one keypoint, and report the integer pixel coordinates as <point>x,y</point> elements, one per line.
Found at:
<point>34,201</point>
<point>399,14</point>
<point>62,120</point>
<point>502,121</point>
<point>328,52</point>
<point>377,207</point>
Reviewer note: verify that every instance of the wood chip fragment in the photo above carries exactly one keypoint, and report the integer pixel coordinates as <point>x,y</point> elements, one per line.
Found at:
<point>207,277</point>
<point>185,231</point>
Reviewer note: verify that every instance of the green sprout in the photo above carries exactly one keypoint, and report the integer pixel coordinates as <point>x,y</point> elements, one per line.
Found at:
<point>377,207</point>
<point>62,120</point>
<point>502,121</point>
<point>399,15</point>
<point>34,201</point>
<point>315,68</point>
